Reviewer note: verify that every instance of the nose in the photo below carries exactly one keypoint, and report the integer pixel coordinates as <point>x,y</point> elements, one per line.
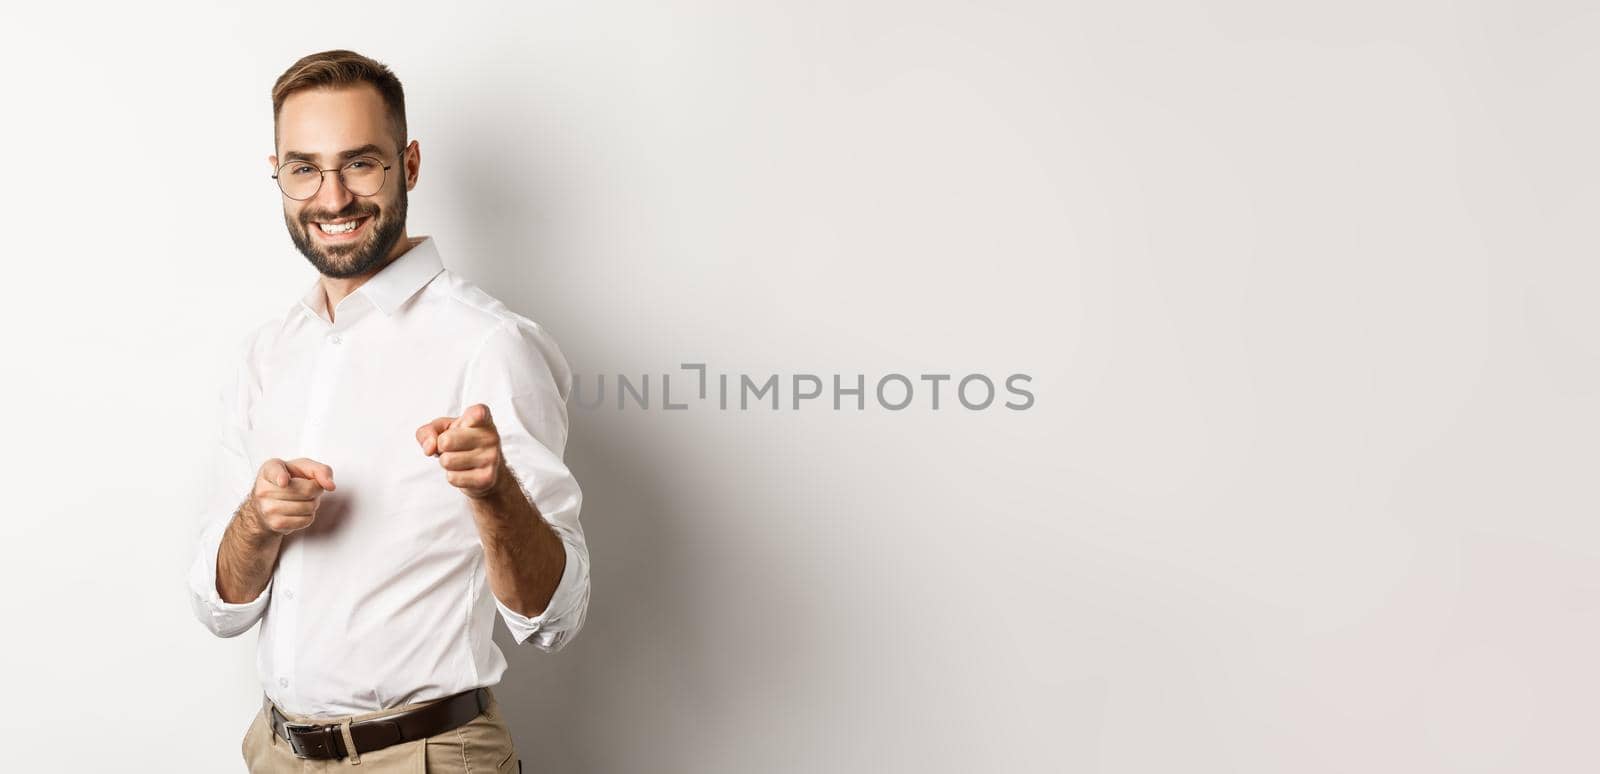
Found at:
<point>332,196</point>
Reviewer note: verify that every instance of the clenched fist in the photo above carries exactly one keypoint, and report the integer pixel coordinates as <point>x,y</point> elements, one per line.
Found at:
<point>468,447</point>
<point>286,494</point>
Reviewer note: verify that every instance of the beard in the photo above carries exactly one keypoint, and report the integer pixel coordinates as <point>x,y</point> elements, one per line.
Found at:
<point>341,261</point>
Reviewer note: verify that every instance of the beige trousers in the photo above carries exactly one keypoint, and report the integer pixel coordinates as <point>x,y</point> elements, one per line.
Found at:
<point>481,746</point>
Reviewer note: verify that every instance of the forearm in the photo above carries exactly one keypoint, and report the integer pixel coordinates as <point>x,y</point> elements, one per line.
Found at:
<point>246,556</point>
<point>525,555</point>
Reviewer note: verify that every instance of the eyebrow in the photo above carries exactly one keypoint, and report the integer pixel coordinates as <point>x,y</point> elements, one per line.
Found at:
<point>369,148</point>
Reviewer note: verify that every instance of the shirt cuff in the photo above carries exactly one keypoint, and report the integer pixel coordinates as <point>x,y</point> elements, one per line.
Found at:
<point>523,627</point>
<point>224,619</point>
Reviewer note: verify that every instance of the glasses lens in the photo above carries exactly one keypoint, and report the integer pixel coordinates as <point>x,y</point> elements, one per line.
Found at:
<point>299,180</point>
<point>363,176</point>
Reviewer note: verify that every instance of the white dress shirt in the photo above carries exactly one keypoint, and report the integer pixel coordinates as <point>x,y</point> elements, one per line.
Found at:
<point>384,599</point>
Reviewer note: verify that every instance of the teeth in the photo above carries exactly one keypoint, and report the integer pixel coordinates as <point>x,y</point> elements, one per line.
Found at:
<point>340,228</point>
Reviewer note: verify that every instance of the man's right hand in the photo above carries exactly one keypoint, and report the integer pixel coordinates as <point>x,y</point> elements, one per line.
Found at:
<point>286,495</point>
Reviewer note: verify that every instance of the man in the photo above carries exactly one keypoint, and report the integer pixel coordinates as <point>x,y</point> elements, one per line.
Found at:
<point>397,440</point>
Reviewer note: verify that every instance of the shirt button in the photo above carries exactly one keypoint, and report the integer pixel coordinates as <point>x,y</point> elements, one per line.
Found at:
<point>289,593</point>
<point>334,339</point>
<point>283,682</point>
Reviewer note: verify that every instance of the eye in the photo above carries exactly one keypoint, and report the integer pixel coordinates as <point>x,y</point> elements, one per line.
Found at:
<point>360,164</point>
<point>299,169</point>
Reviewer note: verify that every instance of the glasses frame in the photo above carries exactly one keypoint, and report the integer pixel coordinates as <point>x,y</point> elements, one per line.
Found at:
<point>323,175</point>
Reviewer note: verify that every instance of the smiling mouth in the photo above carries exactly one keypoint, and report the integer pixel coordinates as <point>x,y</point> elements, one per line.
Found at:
<point>341,229</point>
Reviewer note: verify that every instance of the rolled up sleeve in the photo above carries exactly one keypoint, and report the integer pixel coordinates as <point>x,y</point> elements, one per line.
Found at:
<point>522,376</point>
<point>228,483</point>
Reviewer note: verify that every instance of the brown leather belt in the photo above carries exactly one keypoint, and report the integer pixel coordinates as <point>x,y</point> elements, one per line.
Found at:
<point>324,740</point>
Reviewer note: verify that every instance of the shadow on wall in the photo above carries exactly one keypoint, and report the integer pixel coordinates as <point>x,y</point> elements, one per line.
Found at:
<point>643,629</point>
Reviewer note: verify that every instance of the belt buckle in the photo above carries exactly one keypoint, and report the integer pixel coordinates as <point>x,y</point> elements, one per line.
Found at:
<point>294,738</point>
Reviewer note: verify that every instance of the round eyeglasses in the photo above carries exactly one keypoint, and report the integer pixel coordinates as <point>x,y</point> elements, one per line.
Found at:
<point>301,180</point>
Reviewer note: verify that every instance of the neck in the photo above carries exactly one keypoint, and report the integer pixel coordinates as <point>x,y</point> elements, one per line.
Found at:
<point>336,288</point>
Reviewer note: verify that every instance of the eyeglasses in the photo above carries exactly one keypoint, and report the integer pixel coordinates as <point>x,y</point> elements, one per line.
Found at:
<point>362,176</point>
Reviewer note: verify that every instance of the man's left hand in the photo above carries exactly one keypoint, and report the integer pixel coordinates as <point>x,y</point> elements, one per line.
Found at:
<point>468,448</point>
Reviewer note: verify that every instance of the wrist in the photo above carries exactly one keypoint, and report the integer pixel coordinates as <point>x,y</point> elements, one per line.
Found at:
<point>503,491</point>
<point>254,528</point>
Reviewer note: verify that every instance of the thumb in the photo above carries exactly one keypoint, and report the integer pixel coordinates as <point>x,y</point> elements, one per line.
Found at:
<point>476,415</point>
<point>275,472</point>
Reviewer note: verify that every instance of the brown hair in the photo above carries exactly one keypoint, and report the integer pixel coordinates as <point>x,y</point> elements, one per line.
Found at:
<point>341,68</point>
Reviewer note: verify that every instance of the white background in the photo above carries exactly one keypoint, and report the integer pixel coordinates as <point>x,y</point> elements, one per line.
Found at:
<point>1306,291</point>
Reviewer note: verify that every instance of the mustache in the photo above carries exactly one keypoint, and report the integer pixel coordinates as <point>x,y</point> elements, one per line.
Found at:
<point>306,218</point>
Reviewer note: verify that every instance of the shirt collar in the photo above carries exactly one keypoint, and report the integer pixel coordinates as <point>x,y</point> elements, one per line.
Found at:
<point>394,284</point>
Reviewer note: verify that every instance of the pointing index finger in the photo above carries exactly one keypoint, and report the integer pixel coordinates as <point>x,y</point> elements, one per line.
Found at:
<point>316,471</point>
<point>428,434</point>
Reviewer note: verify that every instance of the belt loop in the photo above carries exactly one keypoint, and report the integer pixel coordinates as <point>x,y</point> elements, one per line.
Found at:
<point>349,742</point>
<point>272,731</point>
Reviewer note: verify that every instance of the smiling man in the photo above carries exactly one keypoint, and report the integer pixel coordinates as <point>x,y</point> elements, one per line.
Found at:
<point>391,473</point>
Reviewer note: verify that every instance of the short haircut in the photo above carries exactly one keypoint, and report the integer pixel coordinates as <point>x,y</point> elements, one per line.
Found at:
<point>336,69</point>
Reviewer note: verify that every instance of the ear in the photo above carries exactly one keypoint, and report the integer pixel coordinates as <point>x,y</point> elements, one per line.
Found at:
<point>273,161</point>
<point>413,164</point>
